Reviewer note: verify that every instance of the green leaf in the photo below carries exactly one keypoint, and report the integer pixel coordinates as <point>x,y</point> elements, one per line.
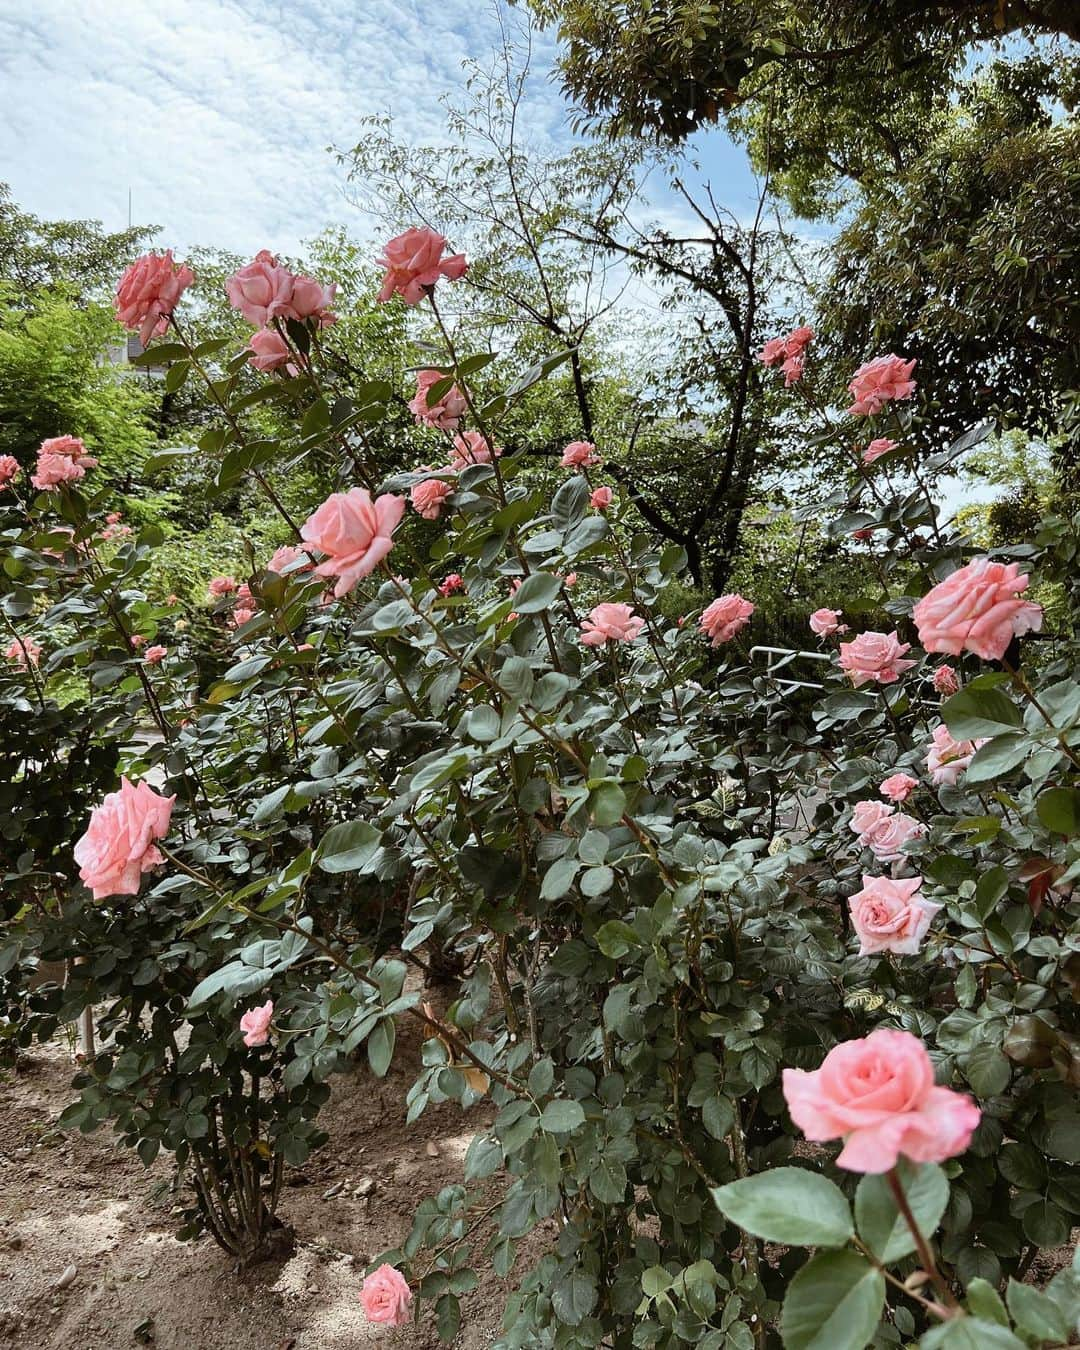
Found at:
<point>607,804</point>
<point>998,756</point>
<point>615,938</point>
<point>833,1303</point>
<point>881,1225</point>
<point>985,1301</point>
<point>561,1116</point>
<point>348,847</point>
<point>790,1205</point>
<point>537,592</point>
<point>559,878</point>
<point>380,1046</point>
<point>979,712</point>
<point>1045,1224</point>
<point>1059,810</point>
<point>574,1297</point>
<point>970,1333</point>
<point>1036,1313</point>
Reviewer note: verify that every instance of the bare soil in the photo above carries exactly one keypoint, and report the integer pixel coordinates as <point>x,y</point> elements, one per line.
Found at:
<point>84,1201</point>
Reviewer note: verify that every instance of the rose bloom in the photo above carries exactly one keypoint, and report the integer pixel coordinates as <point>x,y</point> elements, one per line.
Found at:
<point>429,497</point>
<point>890,916</point>
<point>312,300</point>
<point>118,846</point>
<point>285,557</point>
<point>862,535</point>
<point>452,583</point>
<point>414,262</point>
<point>977,609</point>
<point>241,615</point>
<point>472,448</point>
<point>899,787</point>
<point>149,292</point>
<point>269,350</point>
<point>570,579</point>
<point>137,641</point>
<point>9,469</point>
<point>153,656</point>
<point>243,593</point>
<point>52,470</point>
<point>883,830</point>
<point>262,290</point>
<point>778,350</point>
<point>610,623</point>
<point>874,657</point>
<point>726,616</point>
<point>945,681</point>
<point>354,532</point>
<point>75,449</point>
<point>386,1297</point>
<point>256,1024</point>
<point>446,412</point>
<point>222,586</point>
<point>793,370</point>
<point>601,498</point>
<point>23,652</point>
<point>877,448</point>
<point>881,381</point>
<point>878,1095</point>
<point>947,758</point>
<point>826,622</point>
<point>579,455</point>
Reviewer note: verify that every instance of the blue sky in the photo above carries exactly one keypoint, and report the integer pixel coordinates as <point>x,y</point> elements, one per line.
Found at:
<point>217,114</point>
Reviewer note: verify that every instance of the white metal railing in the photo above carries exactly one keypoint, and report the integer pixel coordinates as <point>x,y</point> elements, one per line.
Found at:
<point>786,656</point>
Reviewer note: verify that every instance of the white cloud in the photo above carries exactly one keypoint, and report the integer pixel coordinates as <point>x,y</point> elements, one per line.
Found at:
<point>217,113</point>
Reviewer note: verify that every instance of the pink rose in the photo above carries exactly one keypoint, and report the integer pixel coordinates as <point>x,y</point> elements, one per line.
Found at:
<point>877,448</point>
<point>23,652</point>
<point>793,370</point>
<point>879,382</point>
<point>774,350</point>
<point>256,1024</point>
<point>899,787</point>
<point>601,498</point>
<point>472,448</point>
<point>883,830</point>
<point>74,449</point>
<point>610,623</point>
<point>241,615</point>
<point>312,300</point>
<point>118,846</point>
<point>579,455</point>
<point>153,656</point>
<point>788,348</point>
<point>429,497</point>
<point>453,582</point>
<point>52,470</point>
<point>826,622</point>
<point>447,411</point>
<point>285,557</point>
<point>148,293</point>
<point>878,1095</point>
<point>726,616</point>
<point>269,350</point>
<point>9,469</point>
<point>354,532</point>
<point>386,1297</point>
<point>945,681</point>
<point>570,579</point>
<point>874,656</point>
<point>948,758</point>
<point>414,262</point>
<point>243,593</point>
<point>262,290</point>
<point>222,586</point>
<point>890,916</point>
<point>977,609</point>
<point>137,641</point>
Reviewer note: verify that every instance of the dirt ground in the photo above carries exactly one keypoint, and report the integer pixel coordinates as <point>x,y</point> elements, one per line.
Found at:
<point>84,1203</point>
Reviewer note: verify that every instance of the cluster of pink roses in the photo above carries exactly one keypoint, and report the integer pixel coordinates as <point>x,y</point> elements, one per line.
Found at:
<point>445,412</point>
<point>61,459</point>
<point>788,352</point>
<point>884,830</point>
<point>265,293</point>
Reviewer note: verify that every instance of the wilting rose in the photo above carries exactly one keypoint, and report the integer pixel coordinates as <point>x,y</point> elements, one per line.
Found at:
<point>899,787</point>
<point>446,412</point>
<point>414,262</point>
<point>256,1024</point>
<point>354,532</point>
<point>945,681</point>
<point>610,623</point>
<point>118,846</point>
<point>891,916</point>
<point>874,657</point>
<point>429,497</point>
<point>878,1095</point>
<point>793,370</point>
<point>726,616</point>
<point>386,1297</point>
<point>878,382</point>
<point>883,830</point>
<point>947,758</point>
<point>977,609</point>
<point>783,349</point>
<point>149,292</point>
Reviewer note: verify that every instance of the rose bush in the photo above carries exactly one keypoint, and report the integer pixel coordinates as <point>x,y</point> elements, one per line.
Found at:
<point>706,975</point>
